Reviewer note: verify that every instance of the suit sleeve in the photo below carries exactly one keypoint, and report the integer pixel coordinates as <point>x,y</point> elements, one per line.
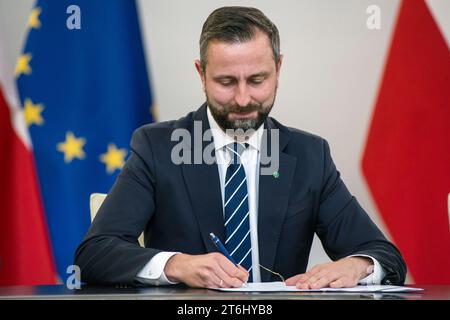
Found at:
<point>110,252</point>
<point>344,228</point>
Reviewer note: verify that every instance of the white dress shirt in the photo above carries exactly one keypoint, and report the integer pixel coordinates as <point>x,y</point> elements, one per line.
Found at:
<point>153,271</point>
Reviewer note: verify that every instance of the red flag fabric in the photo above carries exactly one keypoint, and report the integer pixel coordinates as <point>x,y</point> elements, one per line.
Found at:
<point>25,254</point>
<point>406,161</point>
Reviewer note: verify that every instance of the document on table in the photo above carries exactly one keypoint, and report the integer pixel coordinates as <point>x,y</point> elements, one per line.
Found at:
<point>282,287</point>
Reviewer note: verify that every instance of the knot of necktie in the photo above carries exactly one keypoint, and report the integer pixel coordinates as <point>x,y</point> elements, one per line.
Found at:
<point>235,151</point>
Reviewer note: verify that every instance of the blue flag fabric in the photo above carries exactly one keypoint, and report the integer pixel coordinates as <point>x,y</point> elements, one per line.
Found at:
<point>84,88</point>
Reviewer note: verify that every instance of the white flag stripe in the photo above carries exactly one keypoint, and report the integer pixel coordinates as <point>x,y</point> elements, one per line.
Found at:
<point>9,89</point>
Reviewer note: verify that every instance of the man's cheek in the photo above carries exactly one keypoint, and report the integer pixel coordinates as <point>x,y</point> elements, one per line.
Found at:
<point>223,98</point>
<point>265,92</point>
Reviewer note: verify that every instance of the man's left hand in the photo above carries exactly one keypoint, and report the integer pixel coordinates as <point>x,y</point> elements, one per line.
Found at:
<point>344,273</point>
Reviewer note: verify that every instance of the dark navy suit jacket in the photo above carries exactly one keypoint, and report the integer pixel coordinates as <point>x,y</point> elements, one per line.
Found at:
<point>177,206</point>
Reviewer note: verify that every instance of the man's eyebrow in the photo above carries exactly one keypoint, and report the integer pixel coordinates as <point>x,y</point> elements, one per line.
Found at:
<point>223,77</point>
<point>229,77</point>
<point>260,74</point>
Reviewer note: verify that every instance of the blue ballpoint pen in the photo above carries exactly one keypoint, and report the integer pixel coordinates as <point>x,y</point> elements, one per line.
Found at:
<point>221,247</point>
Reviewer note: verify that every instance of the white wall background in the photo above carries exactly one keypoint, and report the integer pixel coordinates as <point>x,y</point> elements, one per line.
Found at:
<point>329,79</point>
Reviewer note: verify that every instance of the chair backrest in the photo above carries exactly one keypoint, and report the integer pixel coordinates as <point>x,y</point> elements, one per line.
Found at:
<point>95,202</point>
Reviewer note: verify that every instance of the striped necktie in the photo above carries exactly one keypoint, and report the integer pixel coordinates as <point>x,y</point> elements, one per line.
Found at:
<point>236,209</point>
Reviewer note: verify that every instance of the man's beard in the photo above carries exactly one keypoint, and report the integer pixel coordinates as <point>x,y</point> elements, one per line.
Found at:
<point>221,115</point>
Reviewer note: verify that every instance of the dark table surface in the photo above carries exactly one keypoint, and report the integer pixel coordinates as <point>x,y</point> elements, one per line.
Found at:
<point>179,292</point>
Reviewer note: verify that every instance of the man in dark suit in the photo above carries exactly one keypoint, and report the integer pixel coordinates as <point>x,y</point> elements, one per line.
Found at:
<point>265,212</point>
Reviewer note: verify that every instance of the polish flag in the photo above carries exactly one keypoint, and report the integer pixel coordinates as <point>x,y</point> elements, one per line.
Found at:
<point>25,253</point>
<point>406,161</point>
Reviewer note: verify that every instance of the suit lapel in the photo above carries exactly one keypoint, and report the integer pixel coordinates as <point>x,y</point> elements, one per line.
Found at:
<point>203,185</point>
<point>274,191</point>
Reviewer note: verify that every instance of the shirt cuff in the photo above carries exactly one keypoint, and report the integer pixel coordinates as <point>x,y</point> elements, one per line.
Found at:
<point>153,271</point>
<point>377,274</point>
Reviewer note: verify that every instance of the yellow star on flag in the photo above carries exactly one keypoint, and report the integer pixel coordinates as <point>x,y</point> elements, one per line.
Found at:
<point>72,147</point>
<point>23,65</point>
<point>33,19</point>
<point>32,113</point>
<point>114,158</point>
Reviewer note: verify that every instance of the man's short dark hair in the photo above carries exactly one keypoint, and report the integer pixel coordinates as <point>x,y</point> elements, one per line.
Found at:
<point>236,25</point>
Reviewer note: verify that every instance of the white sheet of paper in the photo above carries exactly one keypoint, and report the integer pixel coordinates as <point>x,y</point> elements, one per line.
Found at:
<point>281,287</point>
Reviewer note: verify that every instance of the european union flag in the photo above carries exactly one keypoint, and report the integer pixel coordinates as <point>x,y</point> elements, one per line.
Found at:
<point>83,83</point>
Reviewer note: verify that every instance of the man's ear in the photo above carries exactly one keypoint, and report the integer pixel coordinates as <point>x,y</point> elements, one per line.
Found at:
<point>198,66</point>
<point>280,61</point>
<point>278,68</point>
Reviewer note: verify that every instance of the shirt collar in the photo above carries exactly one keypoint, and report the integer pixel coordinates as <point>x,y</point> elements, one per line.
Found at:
<point>221,139</point>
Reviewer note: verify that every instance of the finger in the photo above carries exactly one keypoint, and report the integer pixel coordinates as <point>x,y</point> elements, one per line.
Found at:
<point>214,281</point>
<point>315,277</point>
<point>336,284</point>
<point>304,280</point>
<point>302,285</point>
<point>245,271</point>
<point>227,280</point>
<point>317,268</point>
<point>210,276</point>
<point>242,274</point>
<point>231,270</point>
<point>293,280</point>
<point>311,273</point>
<point>227,271</point>
<point>300,278</point>
<point>325,280</point>
<point>341,282</point>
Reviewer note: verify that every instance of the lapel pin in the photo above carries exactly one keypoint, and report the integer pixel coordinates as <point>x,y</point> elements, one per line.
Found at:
<point>276,174</point>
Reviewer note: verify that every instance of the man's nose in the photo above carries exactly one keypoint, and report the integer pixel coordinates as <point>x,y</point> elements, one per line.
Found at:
<point>242,96</point>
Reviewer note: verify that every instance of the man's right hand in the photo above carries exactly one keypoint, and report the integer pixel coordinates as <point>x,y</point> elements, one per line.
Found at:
<point>212,270</point>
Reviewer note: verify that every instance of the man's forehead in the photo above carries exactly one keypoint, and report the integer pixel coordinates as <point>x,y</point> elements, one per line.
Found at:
<point>254,56</point>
